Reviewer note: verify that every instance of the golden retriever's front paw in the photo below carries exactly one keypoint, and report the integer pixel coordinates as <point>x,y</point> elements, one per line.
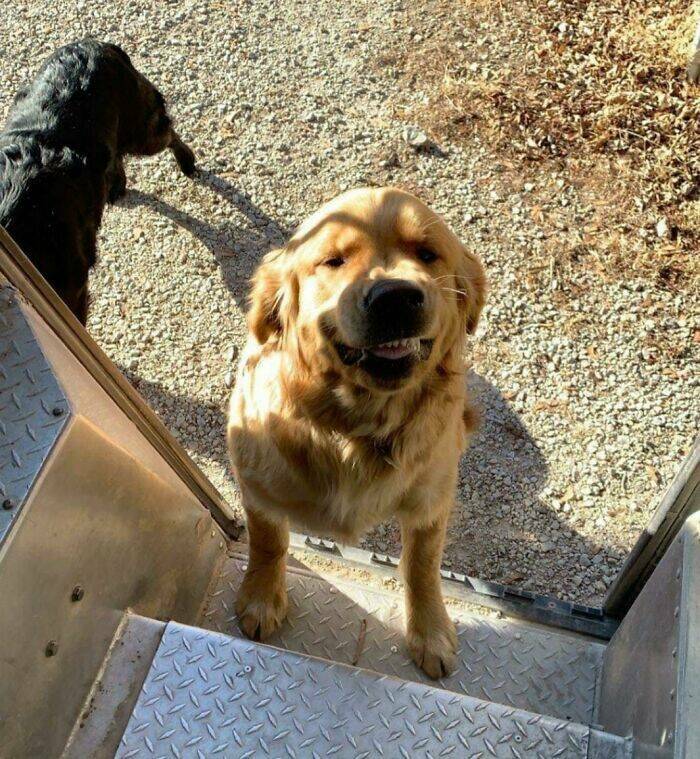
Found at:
<point>434,649</point>
<point>261,605</point>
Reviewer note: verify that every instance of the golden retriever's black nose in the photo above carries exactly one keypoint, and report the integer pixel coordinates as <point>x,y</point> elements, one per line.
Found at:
<point>390,295</point>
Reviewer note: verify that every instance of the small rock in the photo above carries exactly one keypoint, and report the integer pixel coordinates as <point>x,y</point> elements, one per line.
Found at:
<point>415,137</point>
<point>662,228</point>
<point>228,379</point>
<point>311,117</point>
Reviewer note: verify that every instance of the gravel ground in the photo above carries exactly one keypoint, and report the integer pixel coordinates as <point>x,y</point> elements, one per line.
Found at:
<point>585,379</point>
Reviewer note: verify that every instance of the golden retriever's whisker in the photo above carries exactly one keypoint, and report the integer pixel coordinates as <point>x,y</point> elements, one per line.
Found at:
<point>451,276</point>
<point>452,290</point>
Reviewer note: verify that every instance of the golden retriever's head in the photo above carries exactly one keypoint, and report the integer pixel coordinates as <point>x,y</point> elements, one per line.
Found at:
<point>373,286</point>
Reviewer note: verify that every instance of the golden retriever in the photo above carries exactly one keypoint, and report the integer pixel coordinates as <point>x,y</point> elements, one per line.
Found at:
<point>350,406</point>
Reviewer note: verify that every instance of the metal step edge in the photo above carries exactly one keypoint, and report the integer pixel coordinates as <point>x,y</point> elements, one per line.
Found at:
<point>514,602</point>
<point>209,694</point>
<point>348,620</point>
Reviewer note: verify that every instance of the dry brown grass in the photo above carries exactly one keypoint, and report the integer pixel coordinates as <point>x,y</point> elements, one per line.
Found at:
<point>596,87</point>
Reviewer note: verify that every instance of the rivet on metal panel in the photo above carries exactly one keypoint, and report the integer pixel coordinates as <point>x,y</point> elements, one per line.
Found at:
<point>672,694</point>
<point>57,411</point>
<point>51,648</point>
<point>77,594</point>
<point>674,653</point>
<point>678,574</point>
<point>8,504</point>
<point>676,611</point>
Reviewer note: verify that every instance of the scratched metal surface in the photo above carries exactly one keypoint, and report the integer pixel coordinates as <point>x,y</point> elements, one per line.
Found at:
<point>207,694</point>
<point>33,409</point>
<point>508,662</point>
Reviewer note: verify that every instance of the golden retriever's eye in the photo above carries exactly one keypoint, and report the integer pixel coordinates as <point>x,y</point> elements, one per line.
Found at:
<point>335,262</point>
<point>426,255</point>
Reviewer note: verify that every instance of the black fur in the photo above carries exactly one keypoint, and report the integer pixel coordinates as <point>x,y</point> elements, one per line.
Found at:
<point>61,157</point>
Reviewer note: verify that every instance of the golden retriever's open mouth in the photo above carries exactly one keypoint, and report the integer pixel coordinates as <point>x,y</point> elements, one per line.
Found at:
<point>389,361</point>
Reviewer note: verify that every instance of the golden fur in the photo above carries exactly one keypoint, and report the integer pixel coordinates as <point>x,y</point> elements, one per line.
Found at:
<point>318,441</point>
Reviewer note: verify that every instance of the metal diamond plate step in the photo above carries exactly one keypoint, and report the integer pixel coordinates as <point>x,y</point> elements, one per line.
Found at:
<point>508,662</point>
<point>208,694</point>
<point>33,409</point>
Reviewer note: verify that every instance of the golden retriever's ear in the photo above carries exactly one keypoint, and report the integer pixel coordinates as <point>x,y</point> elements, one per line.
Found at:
<point>264,318</point>
<point>472,282</point>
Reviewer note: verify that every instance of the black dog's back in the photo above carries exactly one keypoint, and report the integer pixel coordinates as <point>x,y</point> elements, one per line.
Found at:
<point>61,157</point>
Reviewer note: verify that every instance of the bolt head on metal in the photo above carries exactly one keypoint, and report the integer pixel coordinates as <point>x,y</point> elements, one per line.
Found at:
<point>77,594</point>
<point>57,411</point>
<point>51,648</point>
<point>8,504</point>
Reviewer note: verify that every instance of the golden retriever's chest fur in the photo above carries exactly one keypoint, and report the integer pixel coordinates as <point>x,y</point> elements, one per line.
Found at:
<point>329,482</point>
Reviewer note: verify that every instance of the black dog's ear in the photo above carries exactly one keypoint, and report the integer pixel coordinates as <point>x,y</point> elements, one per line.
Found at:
<point>270,298</point>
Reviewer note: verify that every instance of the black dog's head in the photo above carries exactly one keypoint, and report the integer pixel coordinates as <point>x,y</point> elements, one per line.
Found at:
<point>122,97</point>
<point>145,127</point>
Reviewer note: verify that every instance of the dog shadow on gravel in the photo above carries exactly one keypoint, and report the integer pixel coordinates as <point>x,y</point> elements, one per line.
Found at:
<point>524,541</point>
<point>237,248</point>
<point>501,530</point>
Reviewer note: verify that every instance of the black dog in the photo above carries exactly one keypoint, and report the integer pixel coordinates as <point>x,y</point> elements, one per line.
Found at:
<point>61,157</point>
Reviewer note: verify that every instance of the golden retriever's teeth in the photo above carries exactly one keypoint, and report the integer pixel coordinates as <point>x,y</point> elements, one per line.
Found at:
<point>411,342</point>
<point>397,348</point>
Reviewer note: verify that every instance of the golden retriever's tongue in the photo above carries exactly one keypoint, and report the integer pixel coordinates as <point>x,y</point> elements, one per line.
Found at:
<point>396,349</point>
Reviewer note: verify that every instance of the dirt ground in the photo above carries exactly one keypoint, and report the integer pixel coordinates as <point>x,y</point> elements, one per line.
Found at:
<point>560,143</point>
